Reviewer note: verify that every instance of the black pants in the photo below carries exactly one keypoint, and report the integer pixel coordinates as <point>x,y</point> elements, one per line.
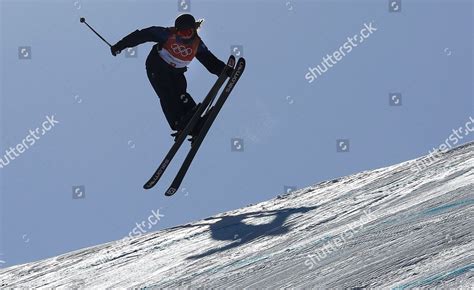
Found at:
<point>170,85</point>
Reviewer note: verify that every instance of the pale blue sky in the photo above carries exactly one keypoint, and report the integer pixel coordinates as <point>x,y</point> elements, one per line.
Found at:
<point>112,133</point>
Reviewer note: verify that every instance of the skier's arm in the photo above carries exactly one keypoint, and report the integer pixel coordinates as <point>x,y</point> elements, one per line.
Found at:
<point>153,33</point>
<point>209,60</point>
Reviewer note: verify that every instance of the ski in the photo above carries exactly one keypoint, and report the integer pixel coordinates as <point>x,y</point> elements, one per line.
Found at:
<point>237,73</point>
<point>182,136</point>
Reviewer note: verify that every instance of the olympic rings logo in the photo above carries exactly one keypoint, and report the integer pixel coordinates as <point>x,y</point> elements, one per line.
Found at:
<point>181,49</point>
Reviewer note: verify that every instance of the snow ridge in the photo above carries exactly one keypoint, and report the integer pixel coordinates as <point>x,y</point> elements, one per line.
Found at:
<point>391,227</point>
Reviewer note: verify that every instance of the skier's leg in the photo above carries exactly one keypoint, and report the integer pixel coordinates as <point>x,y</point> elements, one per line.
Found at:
<point>186,102</point>
<point>163,84</point>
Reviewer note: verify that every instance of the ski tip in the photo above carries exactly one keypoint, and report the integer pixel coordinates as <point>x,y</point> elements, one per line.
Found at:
<point>171,191</point>
<point>231,61</point>
<point>147,186</point>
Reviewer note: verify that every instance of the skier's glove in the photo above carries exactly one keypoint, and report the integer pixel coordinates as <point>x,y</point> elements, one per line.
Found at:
<point>114,49</point>
<point>230,71</point>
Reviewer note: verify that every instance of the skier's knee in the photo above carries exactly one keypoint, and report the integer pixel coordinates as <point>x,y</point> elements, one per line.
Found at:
<point>187,100</point>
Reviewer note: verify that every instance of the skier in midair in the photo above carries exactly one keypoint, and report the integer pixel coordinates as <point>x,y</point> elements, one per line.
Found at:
<point>166,63</point>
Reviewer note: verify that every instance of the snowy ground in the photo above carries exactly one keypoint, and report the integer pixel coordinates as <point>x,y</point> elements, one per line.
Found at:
<point>390,227</point>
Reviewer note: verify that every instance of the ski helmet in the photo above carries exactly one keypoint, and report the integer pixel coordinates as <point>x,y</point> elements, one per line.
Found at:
<point>185,21</point>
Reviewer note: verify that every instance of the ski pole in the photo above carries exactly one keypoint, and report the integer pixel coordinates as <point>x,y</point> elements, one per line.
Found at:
<point>83,20</point>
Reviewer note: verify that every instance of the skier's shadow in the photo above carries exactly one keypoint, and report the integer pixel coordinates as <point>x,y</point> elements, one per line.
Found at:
<point>233,228</point>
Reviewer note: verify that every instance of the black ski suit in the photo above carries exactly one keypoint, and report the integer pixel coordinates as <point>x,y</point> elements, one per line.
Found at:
<point>169,82</point>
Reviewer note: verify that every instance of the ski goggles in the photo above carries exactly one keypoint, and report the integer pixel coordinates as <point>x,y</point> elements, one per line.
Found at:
<point>185,33</point>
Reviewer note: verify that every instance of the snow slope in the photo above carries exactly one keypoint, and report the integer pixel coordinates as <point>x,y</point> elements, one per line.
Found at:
<point>390,227</point>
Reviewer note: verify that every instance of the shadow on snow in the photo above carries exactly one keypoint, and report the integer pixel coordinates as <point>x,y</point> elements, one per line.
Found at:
<point>234,229</point>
